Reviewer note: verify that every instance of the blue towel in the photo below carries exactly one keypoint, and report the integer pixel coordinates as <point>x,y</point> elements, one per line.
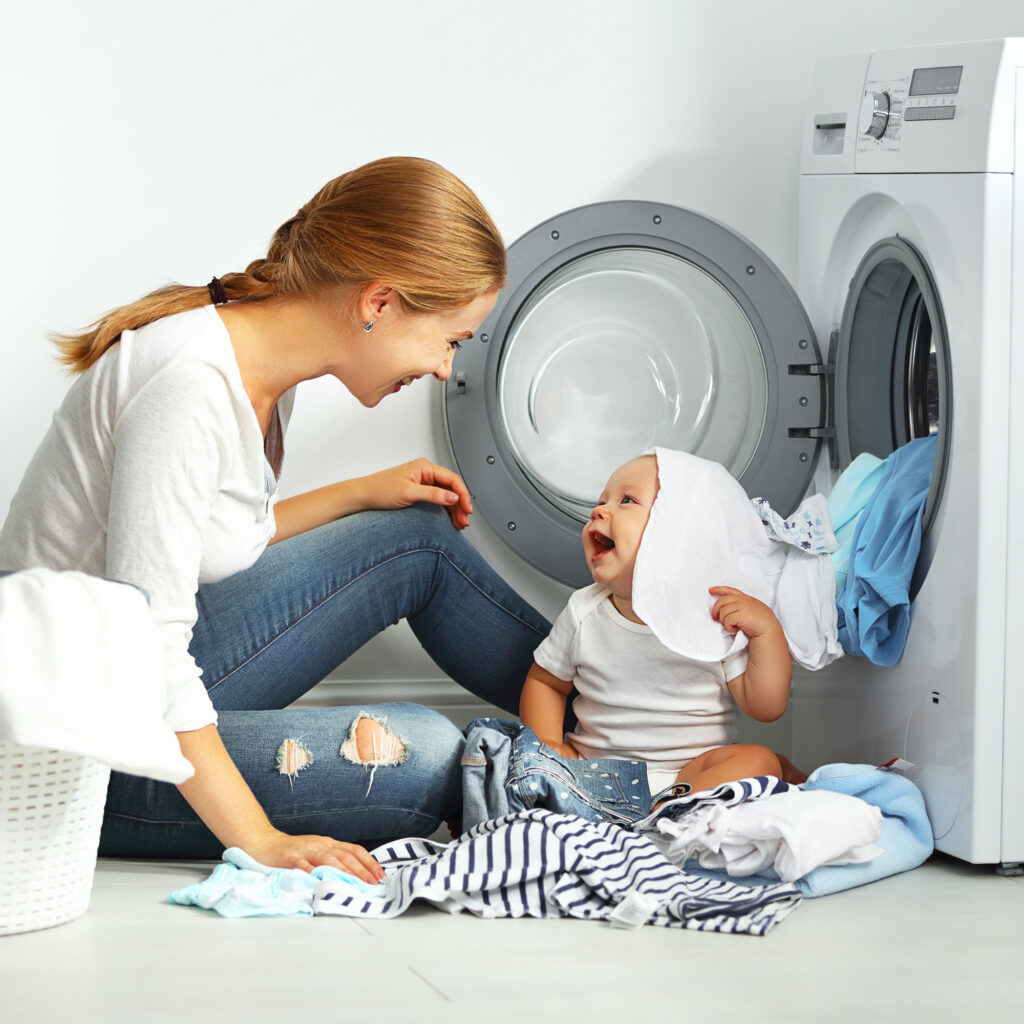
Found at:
<point>242,887</point>
<point>906,840</point>
<point>846,502</point>
<point>874,610</point>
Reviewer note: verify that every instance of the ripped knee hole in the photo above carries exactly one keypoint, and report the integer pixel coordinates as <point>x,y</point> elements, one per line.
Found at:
<point>371,743</point>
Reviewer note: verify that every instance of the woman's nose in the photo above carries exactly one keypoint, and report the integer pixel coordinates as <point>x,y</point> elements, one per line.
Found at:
<point>445,370</point>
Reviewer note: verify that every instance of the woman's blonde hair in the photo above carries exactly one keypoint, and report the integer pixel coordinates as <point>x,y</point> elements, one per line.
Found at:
<point>404,221</point>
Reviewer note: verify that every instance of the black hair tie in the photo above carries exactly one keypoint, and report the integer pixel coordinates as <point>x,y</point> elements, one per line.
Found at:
<point>216,290</point>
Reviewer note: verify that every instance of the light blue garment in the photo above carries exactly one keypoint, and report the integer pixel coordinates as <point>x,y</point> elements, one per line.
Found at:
<point>906,838</point>
<point>242,887</point>
<point>906,834</point>
<point>874,610</point>
<point>846,502</point>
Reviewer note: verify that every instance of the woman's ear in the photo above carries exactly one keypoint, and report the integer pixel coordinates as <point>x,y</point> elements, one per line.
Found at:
<point>375,299</point>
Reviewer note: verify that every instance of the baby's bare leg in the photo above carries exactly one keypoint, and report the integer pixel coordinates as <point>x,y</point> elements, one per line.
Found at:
<point>729,764</point>
<point>790,772</point>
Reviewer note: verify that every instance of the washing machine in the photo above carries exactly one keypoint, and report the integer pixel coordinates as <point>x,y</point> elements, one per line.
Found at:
<point>911,239</point>
<point>626,325</point>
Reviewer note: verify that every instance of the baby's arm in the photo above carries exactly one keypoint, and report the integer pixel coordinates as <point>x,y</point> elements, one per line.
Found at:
<point>763,689</point>
<point>542,708</point>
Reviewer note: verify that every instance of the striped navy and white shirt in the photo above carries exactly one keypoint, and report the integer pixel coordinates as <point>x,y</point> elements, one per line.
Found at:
<point>539,863</point>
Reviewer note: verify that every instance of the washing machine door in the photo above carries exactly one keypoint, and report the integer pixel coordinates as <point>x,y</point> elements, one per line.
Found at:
<point>627,325</point>
<point>893,381</point>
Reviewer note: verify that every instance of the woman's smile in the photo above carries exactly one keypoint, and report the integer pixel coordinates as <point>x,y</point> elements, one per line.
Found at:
<point>403,383</point>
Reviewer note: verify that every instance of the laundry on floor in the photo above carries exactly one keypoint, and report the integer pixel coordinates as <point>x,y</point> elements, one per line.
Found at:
<point>846,826</point>
<point>792,832</point>
<point>242,887</point>
<point>881,828</point>
<point>530,864</point>
<point>506,768</point>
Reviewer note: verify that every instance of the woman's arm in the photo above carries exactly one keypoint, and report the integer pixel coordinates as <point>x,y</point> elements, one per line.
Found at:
<point>398,487</point>
<point>542,708</point>
<point>763,689</point>
<point>222,798</point>
<point>171,444</point>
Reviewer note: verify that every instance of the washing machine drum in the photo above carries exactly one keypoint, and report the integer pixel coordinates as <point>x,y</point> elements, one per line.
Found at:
<point>627,325</point>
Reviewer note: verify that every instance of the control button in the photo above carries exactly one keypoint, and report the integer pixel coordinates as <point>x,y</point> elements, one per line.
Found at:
<point>874,114</point>
<point>944,113</point>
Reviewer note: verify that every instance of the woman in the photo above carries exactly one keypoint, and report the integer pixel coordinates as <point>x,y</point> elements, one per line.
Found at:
<point>160,469</point>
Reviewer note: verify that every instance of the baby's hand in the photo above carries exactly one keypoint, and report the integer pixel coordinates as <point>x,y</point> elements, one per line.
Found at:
<point>736,610</point>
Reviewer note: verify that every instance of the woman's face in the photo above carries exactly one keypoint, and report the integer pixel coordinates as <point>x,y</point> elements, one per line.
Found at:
<point>404,346</point>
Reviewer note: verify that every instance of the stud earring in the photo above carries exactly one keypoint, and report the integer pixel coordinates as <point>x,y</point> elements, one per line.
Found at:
<point>368,326</point>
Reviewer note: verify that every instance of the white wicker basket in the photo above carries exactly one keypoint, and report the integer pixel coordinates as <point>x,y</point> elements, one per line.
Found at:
<point>51,810</point>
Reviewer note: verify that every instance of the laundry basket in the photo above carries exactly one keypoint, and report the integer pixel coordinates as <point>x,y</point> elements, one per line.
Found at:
<point>51,810</point>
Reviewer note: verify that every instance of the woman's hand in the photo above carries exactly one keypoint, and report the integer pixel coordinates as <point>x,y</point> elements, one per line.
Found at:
<point>279,850</point>
<point>419,480</point>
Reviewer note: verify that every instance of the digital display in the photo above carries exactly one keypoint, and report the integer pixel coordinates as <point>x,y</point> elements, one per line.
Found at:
<point>936,81</point>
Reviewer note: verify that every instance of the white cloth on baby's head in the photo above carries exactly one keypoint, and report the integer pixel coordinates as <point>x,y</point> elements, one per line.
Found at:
<point>704,531</point>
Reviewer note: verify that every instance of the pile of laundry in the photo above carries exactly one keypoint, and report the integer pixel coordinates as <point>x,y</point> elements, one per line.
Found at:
<point>530,864</point>
<point>678,867</point>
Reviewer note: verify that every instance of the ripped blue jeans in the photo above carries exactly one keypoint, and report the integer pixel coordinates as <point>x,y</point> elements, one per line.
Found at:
<point>506,768</point>
<point>265,636</point>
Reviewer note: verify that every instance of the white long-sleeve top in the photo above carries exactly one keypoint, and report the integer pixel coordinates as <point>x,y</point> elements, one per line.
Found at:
<point>153,473</point>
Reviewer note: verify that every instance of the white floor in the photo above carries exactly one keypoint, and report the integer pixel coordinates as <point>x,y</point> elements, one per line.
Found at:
<point>941,943</point>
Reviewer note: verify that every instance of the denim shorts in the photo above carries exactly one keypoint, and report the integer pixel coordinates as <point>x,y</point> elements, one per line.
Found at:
<point>506,768</point>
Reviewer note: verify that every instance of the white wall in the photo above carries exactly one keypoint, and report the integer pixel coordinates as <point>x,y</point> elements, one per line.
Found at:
<point>145,142</point>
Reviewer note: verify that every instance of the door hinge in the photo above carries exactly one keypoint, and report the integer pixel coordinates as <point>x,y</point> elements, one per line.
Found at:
<point>826,431</point>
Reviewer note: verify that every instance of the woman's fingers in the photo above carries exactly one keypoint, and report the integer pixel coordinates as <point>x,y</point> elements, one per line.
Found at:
<point>441,486</point>
<point>363,859</point>
<point>349,858</point>
<point>308,852</point>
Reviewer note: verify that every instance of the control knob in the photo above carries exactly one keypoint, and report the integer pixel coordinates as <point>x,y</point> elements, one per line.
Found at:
<point>874,114</point>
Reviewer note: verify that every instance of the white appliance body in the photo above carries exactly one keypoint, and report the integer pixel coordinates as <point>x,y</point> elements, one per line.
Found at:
<point>948,183</point>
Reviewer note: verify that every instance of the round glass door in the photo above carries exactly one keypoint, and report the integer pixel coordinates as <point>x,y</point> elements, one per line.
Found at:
<point>619,351</point>
<point>625,326</point>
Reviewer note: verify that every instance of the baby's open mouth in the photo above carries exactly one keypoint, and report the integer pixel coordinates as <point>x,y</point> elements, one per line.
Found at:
<point>601,542</point>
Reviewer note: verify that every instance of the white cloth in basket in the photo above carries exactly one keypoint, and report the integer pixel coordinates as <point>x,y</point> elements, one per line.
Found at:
<point>81,670</point>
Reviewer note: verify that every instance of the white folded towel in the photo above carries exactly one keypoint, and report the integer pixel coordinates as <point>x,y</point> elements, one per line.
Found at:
<point>81,670</point>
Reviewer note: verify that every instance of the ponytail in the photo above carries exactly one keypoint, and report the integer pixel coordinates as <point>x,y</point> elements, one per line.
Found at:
<point>404,221</point>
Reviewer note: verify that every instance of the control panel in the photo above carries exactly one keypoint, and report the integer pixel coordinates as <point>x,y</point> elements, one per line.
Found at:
<point>943,108</point>
<point>925,95</point>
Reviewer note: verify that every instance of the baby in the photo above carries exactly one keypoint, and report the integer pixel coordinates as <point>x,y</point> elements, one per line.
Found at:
<point>638,699</point>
